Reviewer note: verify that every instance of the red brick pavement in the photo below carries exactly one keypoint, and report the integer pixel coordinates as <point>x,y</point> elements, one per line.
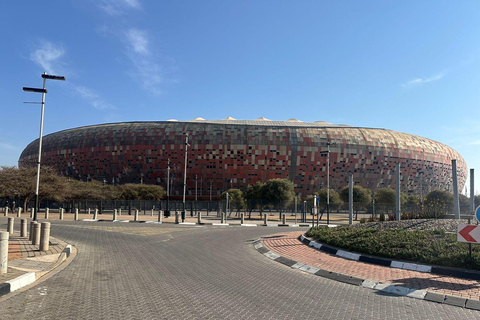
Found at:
<point>288,245</point>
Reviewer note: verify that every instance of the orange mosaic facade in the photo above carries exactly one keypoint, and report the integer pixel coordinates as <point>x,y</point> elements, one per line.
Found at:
<point>235,153</point>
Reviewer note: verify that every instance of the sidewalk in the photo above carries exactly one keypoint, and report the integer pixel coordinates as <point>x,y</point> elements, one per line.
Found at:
<point>289,246</point>
<point>26,263</point>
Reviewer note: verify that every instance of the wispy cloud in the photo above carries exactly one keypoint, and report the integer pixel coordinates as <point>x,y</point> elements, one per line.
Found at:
<point>47,56</point>
<point>146,70</point>
<point>420,81</point>
<point>118,7</point>
<point>93,98</point>
<point>7,146</point>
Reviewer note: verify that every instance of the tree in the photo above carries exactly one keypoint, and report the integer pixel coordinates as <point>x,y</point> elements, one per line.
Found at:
<point>335,201</point>
<point>235,199</point>
<point>361,197</point>
<point>132,191</point>
<point>253,196</point>
<point>21,183</point>
<point>278,192</point>
<point>438,203</point>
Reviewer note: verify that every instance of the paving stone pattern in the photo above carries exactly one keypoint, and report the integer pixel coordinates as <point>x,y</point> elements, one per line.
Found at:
<point>197,273</point>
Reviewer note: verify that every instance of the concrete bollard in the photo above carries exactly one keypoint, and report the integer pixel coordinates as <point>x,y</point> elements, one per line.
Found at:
<point>19,212</point>
<point>222,219</point>
<point>75,216</point>
<point>136,216</point>
<point>114,214</point>
<point>30,236</point>
<point>152,213</point>
<point>265,219</point>
<point>284,218</point>
<point>120,211</point>
<point>61,214</point>
<point>176,217</point>
<point>47,213</point>
<point>6,212</point>
<point>159,215</point>
<point>23,228</point>
<point>242,218</point>
<point>32,211</point>
<point>36,234</point>
<point>10,225</point>
<point>3,251</point>
<point>88,211</point>
<point>45,236</point>
<point>199,215</point>
<point>95,214</point>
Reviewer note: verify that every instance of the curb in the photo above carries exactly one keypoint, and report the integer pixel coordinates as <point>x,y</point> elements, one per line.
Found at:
<point>365,283</point>
<point>30,277</point>
<point>443,271</point>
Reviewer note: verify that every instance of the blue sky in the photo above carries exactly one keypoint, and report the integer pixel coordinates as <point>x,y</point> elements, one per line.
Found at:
<point>409,66</point>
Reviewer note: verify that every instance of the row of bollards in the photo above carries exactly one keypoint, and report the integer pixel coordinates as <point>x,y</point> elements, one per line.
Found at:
<point>39,236</point>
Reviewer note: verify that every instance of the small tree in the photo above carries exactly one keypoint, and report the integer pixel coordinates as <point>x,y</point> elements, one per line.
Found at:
<point>361,197</point>
<point>235,199</point>
<point>278,192</point>
<point>335,200</point>
<point>437,203</point>
<point>253,196</point>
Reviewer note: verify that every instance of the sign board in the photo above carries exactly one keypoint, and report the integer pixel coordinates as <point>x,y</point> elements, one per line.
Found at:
<point>477,213</point>
<point>468,233</point>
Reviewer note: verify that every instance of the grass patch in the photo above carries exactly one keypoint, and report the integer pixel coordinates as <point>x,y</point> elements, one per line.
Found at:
<point>426,246</point>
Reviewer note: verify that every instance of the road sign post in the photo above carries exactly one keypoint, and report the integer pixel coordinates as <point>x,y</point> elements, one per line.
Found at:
<point>469,233</point>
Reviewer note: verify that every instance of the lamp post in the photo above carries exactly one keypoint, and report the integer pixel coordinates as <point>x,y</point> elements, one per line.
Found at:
<point>43,91</point>
<point>185,176</point>
<point>167,212</point>
<point>328,179</point>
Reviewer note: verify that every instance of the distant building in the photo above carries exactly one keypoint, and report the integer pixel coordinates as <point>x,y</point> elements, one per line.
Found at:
<point>235,153</point>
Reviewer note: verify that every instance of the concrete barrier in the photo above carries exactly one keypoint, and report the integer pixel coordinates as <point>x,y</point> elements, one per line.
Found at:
<point>30,236</point>
<point>115,214</point>
<point>61,214</point>
<point>32,211</point>
<point>242,218</point>
<point>3,251</point>
<point>23,228</point>
<point>136,216</point>
<point>45,236</point>
<point>19,212</point>
<point>222,219</point>
<point>11,221</point>
<point>284,218</point>
<point>199,215</point>
<point>176,217</point>
<point>47,213</point>
<point>36,234</point>
<point>75,216</point>
<point>265,219</point>
<point>120,211</point>
<point>152,213</point>
<point>5,213</point>
<point>95,214</point>
<point>159,215</point>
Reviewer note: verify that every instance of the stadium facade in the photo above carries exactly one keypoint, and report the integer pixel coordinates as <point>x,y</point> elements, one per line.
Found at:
<point>231,153</point>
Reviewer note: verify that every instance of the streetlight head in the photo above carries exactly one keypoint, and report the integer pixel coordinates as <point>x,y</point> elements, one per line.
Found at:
<point>52,77</point>
<point>39,90</point>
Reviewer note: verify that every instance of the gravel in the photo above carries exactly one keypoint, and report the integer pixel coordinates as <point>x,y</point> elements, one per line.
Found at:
<point>448,225</point>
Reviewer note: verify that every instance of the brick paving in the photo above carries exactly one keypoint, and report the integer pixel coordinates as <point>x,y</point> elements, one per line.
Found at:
<point>288,245</point>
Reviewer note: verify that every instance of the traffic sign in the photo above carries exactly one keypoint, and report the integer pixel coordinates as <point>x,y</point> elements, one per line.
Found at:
<point>477,213</point>
<point>468,233</point>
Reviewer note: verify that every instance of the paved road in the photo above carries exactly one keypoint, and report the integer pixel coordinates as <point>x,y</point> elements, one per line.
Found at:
<point>141,271</point>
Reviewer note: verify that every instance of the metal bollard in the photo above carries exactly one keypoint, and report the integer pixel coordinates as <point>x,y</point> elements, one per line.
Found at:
<point>47,213</point>
<point>75,217</point>
<point>242,218</point>
<point>36,234</point>
<point>95,214</point>
<point>284,218</point>
<point>114,214</point>
<point>61,214</point>
<point>30,236</point>
<point>10,225</point>
<point>19,212</point>
<point>45,236</point>
<point>3,251</point>
<point>159,215</point>
<point>23,228</point>
<point>136,216</point>
<point>265,218</point>
<point>199,215</point>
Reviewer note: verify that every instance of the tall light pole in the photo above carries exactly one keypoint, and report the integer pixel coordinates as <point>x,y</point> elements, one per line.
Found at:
<point>168,189</point>
<point>185,176</point>
<point>45,76</point>
<point>328,179</point>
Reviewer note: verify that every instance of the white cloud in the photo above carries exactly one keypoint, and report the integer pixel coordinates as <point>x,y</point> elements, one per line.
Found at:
<point>118,7</point>
<point>420,81</point>
<point>94,99</point>
<point>137,39</point>
<point>7,146</point>
<point>47,55</point>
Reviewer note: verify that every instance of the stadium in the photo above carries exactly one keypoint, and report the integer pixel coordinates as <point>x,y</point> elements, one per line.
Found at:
<point>229,153</point>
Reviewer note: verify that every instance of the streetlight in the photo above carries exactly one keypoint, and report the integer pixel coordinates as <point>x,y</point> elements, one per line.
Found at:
<point>167,212</point>
<point>185,176</point>
<point>328,179</point>
<point>43,90</point>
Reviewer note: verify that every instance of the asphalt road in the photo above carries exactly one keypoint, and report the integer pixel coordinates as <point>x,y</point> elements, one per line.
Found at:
<point>142,271</point>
